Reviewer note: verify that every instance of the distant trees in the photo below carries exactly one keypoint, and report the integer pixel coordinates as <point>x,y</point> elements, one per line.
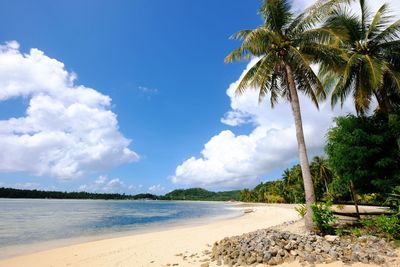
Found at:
<point>24,193</point>
<point>289,189</point>
<point>201,194</point>
<point>179,194</point>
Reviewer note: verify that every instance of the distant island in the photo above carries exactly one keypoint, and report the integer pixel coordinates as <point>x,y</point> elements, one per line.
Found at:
<point>179,194</point>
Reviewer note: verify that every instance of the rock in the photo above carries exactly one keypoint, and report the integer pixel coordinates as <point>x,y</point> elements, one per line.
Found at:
<point>331,238</point>
<point>308,248</point>
<point>293,252</point>
<point>378,259</point>
<point>267,255</point>
<point>326,246</point>
<point>272,247</point>
<point>206,264</point>
<point>251,260</point>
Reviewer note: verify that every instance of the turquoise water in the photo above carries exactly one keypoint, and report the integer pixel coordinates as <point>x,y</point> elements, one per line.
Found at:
<point>29,221</point>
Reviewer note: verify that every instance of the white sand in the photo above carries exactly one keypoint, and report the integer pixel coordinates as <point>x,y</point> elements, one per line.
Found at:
<point>160,248</point>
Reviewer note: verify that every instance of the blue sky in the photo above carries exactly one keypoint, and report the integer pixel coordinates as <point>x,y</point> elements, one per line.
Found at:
<point>161,65</point>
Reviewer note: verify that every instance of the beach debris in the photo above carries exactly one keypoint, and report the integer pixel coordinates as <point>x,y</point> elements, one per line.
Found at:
<point>272,247</point>
<point>248,210</point>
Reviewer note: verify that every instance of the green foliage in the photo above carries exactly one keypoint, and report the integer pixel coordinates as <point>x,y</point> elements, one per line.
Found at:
<point>393,200</point>
<point>290,188</point>
<point>323,217</point>
<point>301,210</point>
<point>387,226</point>
<point>363,150</point>
<point>202,194</point>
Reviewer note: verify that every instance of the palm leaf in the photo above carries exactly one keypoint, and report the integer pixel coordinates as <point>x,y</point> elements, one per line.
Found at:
<point>313,15</point>
<point>391,33</point>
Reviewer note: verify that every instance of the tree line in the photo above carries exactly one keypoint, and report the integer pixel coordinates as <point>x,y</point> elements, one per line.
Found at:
<point>178,194</point>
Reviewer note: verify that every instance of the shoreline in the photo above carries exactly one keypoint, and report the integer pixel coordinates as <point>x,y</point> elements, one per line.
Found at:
<point>160,247</point>
<point>18,250</point>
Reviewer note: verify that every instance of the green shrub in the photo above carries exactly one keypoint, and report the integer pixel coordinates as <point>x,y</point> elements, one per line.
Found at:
<point>323,217</point>
<point>270,198</point>
<point>387,226</point>
<point>301,210</point>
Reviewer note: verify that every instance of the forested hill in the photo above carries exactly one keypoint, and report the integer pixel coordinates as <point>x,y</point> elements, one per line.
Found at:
<point>22,193</point>
<point>202,194</point>
<point>180,194</point>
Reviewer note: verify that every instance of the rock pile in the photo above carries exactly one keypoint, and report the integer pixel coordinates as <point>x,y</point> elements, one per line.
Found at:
<point>273,247</point>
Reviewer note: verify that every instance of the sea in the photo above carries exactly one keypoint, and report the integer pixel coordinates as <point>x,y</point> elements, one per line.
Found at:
<point>30,225</point>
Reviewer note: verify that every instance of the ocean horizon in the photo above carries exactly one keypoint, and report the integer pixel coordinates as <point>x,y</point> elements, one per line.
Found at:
<point>27,224</point>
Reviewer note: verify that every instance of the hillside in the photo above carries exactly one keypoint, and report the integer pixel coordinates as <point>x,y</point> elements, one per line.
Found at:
<point>202,194</point>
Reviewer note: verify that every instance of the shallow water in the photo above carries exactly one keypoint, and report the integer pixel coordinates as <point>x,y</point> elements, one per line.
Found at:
<point>31,221</point>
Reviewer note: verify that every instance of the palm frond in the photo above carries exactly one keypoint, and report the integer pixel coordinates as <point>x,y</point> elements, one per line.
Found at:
<point>323,35</point>
<point>343,20</point>
<point>305,76</point>
<point>240,35</point>
<point>391,33</point>
<point>365,14</point>
<point>274,90</point>
<point>346,80</point>
<point>362,97</point>
<point>372,75</point>
<point>238,54</point>
<point>313,15</point>
<point>276,14</point>
<point>259,75</point>
<point>255,43</point>
<point>379,21</point>
<point>327,55</point>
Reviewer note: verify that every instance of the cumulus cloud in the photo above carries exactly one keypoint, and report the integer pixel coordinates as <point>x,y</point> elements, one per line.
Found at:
<point>68,130</point>
<point>105,185</point>
<point>157,189</point>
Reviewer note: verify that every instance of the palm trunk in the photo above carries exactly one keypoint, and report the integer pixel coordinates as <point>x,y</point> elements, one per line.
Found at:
<point>383,101</point>
<point>305,167</point>
<point>354,195</point>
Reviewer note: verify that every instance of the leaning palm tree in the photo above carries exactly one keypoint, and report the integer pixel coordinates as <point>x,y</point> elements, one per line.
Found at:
<point>285,47</point>
<point>372,50</point>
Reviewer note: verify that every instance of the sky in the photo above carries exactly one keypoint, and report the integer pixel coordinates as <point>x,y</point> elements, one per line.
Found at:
<point>134,96</point>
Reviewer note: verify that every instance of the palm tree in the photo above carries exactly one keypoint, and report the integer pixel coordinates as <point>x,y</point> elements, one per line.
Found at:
<point>321,172</point>
<point>285,47</point>
<point>372,53</point>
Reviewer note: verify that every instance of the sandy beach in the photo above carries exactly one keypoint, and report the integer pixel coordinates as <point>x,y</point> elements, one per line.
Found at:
<point>164,247</point>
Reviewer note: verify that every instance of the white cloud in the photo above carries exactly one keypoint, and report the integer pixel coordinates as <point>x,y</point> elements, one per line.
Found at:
<point>105,185</point>
<point>157,189</point>
<point>27,185</point>
<point>148,90</point>
<point>68,130</point>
